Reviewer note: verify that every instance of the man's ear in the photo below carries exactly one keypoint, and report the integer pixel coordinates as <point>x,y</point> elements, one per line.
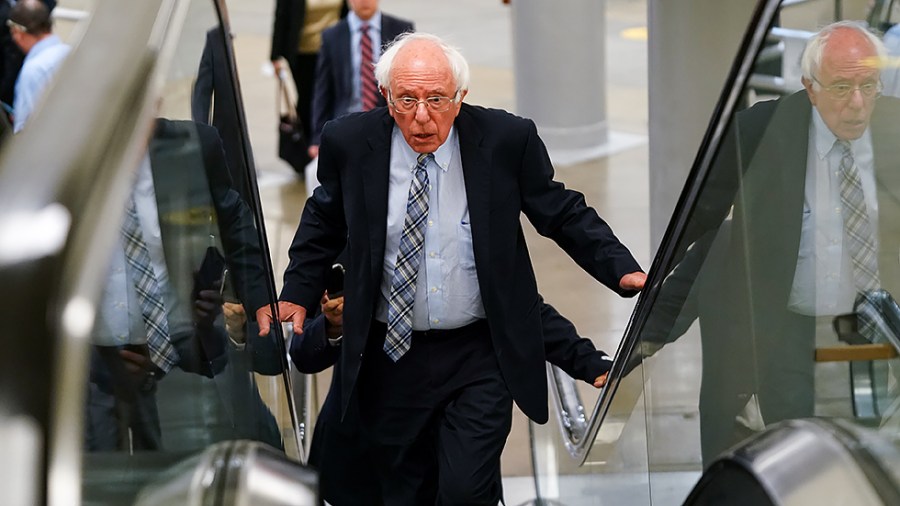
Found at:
<point>809,90</point>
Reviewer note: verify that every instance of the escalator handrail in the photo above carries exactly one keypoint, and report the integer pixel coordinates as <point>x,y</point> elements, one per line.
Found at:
<point>579,446</point>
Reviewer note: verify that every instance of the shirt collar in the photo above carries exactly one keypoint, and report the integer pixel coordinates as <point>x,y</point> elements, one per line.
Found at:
<point>442,156</point>
<point>825,138</point>
<point>355,23</point>
<point>50,40</point>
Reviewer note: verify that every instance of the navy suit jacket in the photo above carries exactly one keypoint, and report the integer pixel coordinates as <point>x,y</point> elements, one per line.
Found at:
<point>333,90</point>
<point>507,172</point>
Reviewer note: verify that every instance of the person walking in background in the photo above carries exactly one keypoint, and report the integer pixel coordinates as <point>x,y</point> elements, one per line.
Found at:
<point>441,322</point>
<point>296,38</point>
<point>345,73</point>
<point>32,30</point>
<point>10,55</point>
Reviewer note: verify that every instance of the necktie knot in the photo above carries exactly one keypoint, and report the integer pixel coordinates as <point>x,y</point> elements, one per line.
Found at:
<point>422,160</point>
<point>364,28</point>
<point>846,154</point>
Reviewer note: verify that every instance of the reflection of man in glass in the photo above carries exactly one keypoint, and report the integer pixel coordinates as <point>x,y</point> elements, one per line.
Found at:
<point>187,242</point>
<point>813,224</point>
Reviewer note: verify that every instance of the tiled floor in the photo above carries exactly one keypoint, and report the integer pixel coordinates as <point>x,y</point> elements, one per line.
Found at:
<point>616,186</point>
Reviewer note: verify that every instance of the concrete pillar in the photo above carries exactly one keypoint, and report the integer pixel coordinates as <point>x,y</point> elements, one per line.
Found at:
<point>691,47</point>
<point>559,61</point>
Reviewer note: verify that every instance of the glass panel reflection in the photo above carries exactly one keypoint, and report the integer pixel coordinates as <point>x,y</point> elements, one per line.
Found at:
<point>177,362</point>
<point>779,303</point>
<point>795,225</point>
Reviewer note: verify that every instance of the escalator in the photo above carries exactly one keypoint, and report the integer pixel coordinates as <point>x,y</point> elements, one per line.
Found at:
<point>733,383</point>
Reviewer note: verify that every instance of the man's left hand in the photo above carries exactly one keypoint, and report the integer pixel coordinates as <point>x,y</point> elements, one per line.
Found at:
<point>634,281</point>
<point>601,380</point>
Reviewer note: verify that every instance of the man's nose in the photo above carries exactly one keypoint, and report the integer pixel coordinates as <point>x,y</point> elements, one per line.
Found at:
<point>422,115</point>
<point>856,98</point>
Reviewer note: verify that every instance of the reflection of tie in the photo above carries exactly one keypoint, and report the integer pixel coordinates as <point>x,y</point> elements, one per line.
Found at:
<point>857,226</point>
<point>368,90</point>
<point>403,285</point>
<point>859,233</point>
<point>153,311</point>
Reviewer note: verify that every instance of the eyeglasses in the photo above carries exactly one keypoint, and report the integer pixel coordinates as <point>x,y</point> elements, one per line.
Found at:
<point>842,91</point>
<point>16,26</point>
<point>406,105</point>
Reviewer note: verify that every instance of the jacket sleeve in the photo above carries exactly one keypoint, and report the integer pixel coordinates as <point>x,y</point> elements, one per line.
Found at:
<point>561,214</point>
<point>564,348</point>
<point>310,351</point>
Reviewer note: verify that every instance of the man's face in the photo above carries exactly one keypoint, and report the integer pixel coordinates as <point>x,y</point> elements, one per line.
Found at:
<point>365,9</point>
<point>420,71</point>
<point>847,60</point>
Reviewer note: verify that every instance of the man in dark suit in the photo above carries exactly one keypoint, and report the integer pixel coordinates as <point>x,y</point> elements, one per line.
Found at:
<point>442,321</point>
<point>785,262</point>
<point>339,87</point>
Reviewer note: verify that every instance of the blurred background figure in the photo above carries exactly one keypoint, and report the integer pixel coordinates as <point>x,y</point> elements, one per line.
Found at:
<point>10,55</point>
<point>31,29</point>
<point>297,38</point>
<point>345,77</point>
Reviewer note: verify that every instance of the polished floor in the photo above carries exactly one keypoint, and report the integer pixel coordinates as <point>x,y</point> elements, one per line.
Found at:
<point>616,185</point>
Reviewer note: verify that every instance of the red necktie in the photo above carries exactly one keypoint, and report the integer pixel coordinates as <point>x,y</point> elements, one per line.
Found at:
<point>368,90</point>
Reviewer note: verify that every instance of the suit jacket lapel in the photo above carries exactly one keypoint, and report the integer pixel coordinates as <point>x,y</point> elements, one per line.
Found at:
<point>375,165</point>
<point>476,164</point>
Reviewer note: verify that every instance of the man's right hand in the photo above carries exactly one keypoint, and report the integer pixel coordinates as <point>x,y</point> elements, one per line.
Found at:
<point>313,151</point>
<point>287,311</point>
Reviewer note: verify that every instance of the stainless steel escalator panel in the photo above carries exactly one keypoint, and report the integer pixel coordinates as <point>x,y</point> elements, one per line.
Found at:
<point>234,473</point>
<point>813,461</point>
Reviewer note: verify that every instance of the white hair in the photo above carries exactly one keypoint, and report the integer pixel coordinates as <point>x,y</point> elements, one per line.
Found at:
<point>811,60</point>
<point>459,67</point>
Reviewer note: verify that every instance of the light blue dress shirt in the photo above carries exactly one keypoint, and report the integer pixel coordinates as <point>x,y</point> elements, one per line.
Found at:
<point>447,293</point>
<point>355,58</point>
<point>119,319</point>
<point>41,62</point>
<point>823,282</point>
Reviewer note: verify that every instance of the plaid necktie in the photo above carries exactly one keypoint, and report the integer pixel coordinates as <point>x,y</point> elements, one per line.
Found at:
<point>153,311</point>
<point>368,90</point>
<point>403,285</point>
<point>857,226</point>
<point>859,233</point>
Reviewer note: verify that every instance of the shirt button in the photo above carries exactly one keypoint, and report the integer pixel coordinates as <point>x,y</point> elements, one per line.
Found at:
<point>432,254</point>
<point>430,223</point>
<point>435,321</point>
<point>433,289</point>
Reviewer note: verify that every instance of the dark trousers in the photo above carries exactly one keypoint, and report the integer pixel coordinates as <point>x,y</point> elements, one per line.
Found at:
<point>303,68</point>
<point>776,366</point>
<point>438,418</point>
<point>121,416</point>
